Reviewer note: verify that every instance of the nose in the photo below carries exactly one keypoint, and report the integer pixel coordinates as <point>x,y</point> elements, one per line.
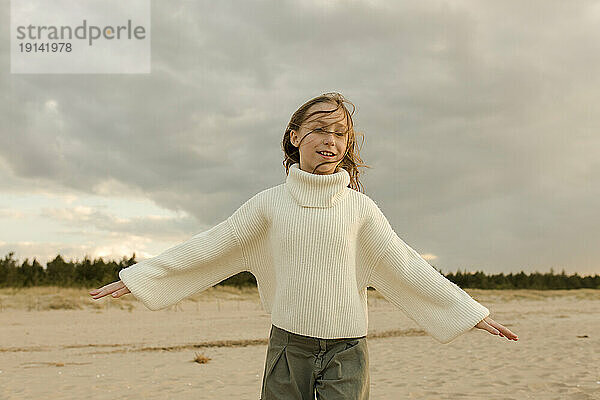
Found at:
<point>329,138</point>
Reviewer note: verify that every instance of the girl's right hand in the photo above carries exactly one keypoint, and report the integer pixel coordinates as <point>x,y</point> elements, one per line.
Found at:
<point>117,289</point>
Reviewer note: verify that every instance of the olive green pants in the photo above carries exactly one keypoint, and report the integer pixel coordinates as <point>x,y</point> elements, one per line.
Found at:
<point>301,367</point>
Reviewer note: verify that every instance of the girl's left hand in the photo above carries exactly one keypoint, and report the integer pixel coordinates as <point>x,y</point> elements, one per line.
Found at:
<point>495,328</point>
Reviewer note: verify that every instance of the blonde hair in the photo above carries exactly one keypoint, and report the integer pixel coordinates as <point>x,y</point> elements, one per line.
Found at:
<point>351,160</point>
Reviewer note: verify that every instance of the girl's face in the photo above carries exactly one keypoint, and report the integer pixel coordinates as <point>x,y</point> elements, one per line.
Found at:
<point>321,133</point>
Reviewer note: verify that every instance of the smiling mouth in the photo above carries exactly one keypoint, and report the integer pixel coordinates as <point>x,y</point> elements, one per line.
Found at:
<point>330,155</point>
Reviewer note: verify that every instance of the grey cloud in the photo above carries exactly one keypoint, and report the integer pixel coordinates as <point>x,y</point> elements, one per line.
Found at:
<point>480,119</point>
<point>155,227</point>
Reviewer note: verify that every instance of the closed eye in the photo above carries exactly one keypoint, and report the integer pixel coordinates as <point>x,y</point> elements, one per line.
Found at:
<point>324,131</point>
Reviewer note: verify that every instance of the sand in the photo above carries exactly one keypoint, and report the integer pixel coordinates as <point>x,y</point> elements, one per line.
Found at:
<point>59,343</point>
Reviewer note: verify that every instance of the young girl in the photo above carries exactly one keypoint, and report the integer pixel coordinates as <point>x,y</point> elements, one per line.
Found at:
<point>314,243</point>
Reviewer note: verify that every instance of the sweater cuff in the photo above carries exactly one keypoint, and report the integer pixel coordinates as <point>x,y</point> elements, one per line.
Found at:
<point>469,313</point>
<point>134,279</point>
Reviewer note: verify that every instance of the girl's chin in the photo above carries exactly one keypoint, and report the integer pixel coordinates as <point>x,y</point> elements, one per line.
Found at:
<point>322,168</point>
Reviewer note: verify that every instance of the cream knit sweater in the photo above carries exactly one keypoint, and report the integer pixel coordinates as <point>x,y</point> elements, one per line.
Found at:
<point>314,245</point>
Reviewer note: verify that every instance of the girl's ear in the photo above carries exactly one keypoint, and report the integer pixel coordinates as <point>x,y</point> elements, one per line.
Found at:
<point>293,138</point>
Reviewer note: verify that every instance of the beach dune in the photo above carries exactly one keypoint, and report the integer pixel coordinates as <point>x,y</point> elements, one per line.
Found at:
<point>59,343</point>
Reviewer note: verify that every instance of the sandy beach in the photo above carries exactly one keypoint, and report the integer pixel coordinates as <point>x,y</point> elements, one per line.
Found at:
<point>59,343</point>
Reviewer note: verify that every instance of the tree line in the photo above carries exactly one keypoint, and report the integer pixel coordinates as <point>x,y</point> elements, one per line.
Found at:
<point>95,273</point>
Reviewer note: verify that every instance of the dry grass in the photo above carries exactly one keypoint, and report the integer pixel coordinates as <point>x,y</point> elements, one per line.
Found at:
<point>37,364</point>
<point>59,298</point>
<point>109,348</point>
<point>44,298</point>
<point>530,294</point>
<point>201,358</point>
<point>227,293</point>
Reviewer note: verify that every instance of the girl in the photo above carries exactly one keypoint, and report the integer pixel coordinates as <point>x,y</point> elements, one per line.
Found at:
<point>314,243</point>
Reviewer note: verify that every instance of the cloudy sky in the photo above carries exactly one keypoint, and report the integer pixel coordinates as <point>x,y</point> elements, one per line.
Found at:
<point>480,119</point>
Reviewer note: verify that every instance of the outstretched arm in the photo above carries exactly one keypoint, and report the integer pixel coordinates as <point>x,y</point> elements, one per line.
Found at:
<point>185,269</point>
<point>404,278</point>
<point>194,265</point>
<point>435,303</point>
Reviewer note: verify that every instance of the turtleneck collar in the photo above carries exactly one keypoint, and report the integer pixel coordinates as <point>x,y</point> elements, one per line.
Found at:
<point>313,190</point>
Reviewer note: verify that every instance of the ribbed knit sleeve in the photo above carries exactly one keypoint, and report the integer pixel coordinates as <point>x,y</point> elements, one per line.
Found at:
<point>197,264</point>
<point>436,304</point>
